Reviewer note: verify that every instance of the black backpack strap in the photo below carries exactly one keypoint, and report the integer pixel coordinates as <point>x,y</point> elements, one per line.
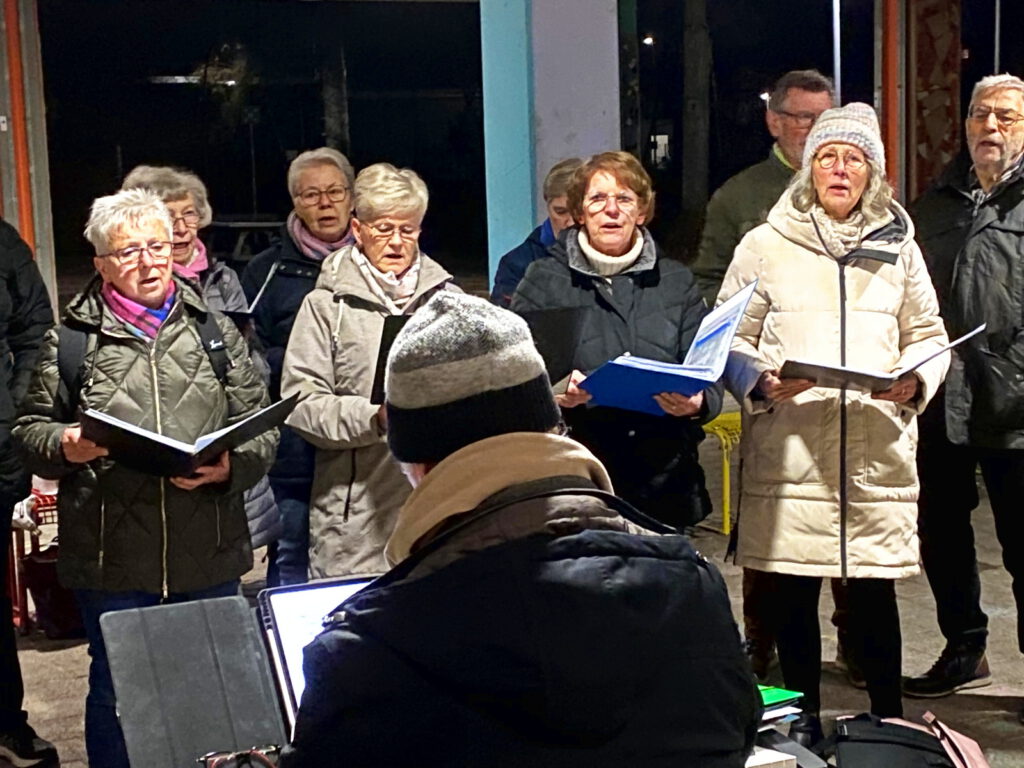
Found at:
<point>72,344</point>
<point>213,343</point>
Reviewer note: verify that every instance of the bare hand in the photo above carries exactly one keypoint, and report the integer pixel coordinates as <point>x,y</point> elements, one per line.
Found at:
<point>382,418</point>
<point>218,472</point>
<point>573,394</point>
<point>78,449</point>
<point>675,404</point>
<point>774,388</point>
<point>904,390</point>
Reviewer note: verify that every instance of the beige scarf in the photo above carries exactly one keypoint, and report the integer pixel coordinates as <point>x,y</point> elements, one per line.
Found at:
<point>465,478</point>
<point>605,265</point>
<point>393,291</point>
<point>839,237</point>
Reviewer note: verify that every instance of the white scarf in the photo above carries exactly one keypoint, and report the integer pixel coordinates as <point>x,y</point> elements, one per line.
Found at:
<point>393,291</point>
<point>605,265</point>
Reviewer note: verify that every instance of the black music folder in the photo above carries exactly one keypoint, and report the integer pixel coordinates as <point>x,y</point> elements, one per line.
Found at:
<point>157,454</point>
<point>392,325</point>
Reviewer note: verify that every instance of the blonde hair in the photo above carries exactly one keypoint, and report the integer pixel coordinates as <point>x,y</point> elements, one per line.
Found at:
<point>320,156</point>
<point>382,189</point>
<point>127,208</point>
<point>171,184</point>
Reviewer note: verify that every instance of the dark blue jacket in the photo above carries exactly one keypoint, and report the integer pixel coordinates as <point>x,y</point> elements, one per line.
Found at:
<point>513,265</point>
<point>579,644</point>
<point>293,277</point>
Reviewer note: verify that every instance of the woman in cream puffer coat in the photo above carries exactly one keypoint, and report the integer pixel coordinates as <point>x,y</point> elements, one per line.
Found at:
<point>829,481</point>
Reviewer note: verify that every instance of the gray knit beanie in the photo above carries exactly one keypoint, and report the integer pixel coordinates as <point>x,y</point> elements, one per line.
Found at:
<point>855,124</point>
<point>462,370</point>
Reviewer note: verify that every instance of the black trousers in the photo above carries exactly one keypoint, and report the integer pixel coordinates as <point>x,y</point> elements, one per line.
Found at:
<point>949,494</point>
<point>872,631</point>
<point>12,691</point>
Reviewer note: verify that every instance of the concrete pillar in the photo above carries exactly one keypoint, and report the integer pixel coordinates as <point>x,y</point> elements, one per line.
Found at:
<point>551,90</point>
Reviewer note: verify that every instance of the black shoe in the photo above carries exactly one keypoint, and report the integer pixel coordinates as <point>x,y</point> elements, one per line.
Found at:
<point>957,668</point>
<point>762,657</point>
<point>806,730</point>
<point>845,663</point>
<point>23,749</point>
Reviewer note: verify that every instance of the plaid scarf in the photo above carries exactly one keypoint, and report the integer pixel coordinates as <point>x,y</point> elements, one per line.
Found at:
<point>311,246</point>
<point>142,321</point>
<point>199,264</point>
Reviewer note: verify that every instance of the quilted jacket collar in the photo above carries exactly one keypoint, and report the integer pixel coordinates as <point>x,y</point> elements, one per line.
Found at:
<point>88,308</point>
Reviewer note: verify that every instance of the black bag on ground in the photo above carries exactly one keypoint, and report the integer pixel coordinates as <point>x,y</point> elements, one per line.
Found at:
<point>57,611</point>
<point>866,741</point>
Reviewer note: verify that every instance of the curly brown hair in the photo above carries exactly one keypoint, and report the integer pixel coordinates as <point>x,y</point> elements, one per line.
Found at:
<point>627,171</point>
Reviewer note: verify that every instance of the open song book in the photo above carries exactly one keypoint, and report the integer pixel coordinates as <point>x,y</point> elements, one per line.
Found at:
<point>157,454</point>
<point>839,377</point>
<point>632,382</point>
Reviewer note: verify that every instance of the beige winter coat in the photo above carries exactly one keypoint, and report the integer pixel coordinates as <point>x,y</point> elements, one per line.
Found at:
<point>331,359</point>
<point>877,303</point>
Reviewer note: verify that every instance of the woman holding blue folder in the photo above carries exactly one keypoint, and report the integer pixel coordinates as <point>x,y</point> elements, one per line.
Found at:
<point>829,485</point>
<point>638,302</point>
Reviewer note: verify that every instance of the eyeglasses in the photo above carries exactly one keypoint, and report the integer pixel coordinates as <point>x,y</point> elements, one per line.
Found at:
<point>386,230</point>
<point>311,196</point>
<point>159,253</point>
<point>599,202</point>
<point>800,119</point>
<point>852,161</point>
<point>191,218</point>
<point>1005,117</point>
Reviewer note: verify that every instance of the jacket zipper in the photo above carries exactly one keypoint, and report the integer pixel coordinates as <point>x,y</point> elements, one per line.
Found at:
<point>163,490</point>
<point>103,531</point>
<point>842,420</point>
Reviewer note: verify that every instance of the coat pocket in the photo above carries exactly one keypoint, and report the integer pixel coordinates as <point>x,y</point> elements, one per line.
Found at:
<point>786,445</point>
<point>890,444</point>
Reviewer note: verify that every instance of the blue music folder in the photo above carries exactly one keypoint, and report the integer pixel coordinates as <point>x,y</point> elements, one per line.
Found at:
<point>631,382</point>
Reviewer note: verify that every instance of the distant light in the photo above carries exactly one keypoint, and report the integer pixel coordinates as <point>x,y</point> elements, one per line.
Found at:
<point>764,96</point>
<point>648,40</point>
<point>229,82</point>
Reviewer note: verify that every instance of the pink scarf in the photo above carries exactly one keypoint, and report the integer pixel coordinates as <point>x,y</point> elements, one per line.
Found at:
<point>311,246</point>
<point>142,319</point>
<point>199,264</point>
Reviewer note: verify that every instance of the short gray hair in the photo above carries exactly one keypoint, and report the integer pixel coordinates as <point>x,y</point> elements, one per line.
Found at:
<point>382,189</point>
<point>320,156</point>
<point>875,200</point>
<point>556,183</point>
<point>996,82</point>
<point>127,208</point>
<point>802,79</point>
<point>172,184</point>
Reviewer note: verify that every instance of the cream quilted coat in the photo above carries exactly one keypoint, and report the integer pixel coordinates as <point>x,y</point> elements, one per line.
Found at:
<point>829,480</point>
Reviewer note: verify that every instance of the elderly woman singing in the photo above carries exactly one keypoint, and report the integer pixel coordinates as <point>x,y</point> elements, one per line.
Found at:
<point>129,539</point>
<point>829,477</point>
<point>330,363</point>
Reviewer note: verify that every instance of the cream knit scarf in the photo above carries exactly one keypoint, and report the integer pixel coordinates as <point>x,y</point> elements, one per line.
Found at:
<point>605,265</point>
<point>839,237</point>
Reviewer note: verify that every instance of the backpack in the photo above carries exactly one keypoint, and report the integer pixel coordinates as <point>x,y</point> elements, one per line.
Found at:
<point>73,342</point>
<point>867,741</point>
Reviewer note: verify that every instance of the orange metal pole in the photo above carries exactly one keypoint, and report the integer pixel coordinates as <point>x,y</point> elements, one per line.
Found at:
<point>890,88</point>
<point>18,127</point>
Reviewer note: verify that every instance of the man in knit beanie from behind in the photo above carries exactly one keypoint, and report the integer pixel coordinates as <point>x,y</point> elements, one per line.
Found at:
<point>530,617</point>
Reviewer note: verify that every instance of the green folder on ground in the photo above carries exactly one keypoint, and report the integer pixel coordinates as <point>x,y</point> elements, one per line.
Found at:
<point>777,697</point>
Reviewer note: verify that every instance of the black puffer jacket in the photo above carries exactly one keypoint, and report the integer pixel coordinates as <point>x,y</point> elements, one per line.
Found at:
<point>578,645</point>
<point>25,315</point>
<point>651,310</point>
<point>120,529</point>
<point>975,254</point>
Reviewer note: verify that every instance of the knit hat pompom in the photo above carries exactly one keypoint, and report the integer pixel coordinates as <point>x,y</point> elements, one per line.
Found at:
<point>855,124</point>
<point>462,370</point>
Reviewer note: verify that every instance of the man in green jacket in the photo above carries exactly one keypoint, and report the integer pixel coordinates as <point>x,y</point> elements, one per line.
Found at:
<point>743,201</point>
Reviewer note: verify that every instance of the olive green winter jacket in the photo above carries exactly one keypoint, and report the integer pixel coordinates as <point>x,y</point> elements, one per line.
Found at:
<point>121,529</point>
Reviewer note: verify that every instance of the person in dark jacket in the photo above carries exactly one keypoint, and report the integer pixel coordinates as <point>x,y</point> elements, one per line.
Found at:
<point>320,183</point>
<point>513,264</point>
<point>25,316</point>
<point>531,617</point>
<point>639,303</point>
<point>130,539</point>
<point>970,224</point>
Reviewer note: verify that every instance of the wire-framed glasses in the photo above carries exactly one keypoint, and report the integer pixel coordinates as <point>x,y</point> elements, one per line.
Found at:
<point>159,252</point>
<point>310,197</point>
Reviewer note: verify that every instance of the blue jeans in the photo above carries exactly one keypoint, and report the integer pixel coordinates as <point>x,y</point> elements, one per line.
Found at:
<point>104,741</point>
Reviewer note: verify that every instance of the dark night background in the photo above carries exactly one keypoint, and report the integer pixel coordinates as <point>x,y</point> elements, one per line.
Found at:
<point>414,86</point>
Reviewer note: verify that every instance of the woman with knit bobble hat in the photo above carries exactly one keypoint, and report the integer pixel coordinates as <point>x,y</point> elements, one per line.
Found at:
<point>829,476</point>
